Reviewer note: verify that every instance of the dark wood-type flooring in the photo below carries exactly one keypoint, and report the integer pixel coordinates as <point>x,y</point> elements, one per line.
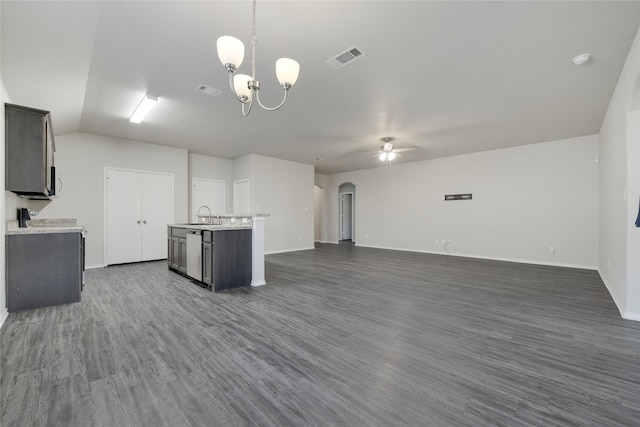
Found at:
<point>340,336</point>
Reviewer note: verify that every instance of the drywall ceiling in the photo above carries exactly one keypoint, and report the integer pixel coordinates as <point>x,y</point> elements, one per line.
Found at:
<point>447,77</point>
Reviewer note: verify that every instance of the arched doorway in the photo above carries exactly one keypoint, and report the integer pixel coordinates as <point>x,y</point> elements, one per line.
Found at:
<point>347,212</point>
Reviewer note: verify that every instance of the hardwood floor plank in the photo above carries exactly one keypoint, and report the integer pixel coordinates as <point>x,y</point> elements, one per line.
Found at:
<point>341,335</point>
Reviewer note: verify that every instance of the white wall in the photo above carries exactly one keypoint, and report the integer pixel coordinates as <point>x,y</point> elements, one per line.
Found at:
<point>322,181</point>
<point>525,199</point>
<point>318,196</point>
<point>212,168</point>
<point>243,169</point>
<point>81,159</point>
<point>3,213</point>
<point>284,190</point>
<point>619,190</point>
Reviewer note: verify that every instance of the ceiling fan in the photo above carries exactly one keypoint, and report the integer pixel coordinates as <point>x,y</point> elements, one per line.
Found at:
<point>387,151</point>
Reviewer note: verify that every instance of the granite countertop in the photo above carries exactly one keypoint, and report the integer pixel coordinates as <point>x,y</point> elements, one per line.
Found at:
<point>47,225</point>
<point>236,215</point>
<point>211,227</point>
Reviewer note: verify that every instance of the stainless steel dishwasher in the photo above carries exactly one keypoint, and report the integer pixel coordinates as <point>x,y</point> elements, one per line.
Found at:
<point>194,254</point>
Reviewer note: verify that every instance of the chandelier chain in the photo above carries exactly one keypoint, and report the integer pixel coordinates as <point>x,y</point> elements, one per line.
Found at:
<point>254,39</point>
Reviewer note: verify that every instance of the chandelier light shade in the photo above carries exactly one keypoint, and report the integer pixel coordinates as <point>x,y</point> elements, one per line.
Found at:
<point>245,87</point>
<point>241,87</point>
<point>287,71</point>
<point>230,51</point>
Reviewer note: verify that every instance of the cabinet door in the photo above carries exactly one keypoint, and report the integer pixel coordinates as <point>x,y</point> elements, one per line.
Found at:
<point>207,263</point>
<point>124,232</point>
<point>156,213</point>
<point>29,151</point>
<point>182,255</point>
<point>174,253</point>
<point>43,270</point>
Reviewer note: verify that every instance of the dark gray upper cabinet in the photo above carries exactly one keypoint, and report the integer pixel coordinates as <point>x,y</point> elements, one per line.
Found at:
<point>30,147</point>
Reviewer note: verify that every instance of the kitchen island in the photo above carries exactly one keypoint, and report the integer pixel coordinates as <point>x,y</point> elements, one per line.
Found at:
<point>220,251</point>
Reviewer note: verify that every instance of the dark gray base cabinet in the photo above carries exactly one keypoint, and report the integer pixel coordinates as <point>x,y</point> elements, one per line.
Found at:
<point>226,258</point>
<point>43,269</point>
<point>177,253</point>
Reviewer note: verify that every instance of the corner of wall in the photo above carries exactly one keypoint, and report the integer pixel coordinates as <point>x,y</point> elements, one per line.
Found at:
<point>617,299</point>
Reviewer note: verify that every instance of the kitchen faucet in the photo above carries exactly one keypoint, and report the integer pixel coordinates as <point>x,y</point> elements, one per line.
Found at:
<point>209,216</point>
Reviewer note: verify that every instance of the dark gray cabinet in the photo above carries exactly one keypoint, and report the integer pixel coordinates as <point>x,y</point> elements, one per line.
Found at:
<point>207,263</point>
<point>226,256</point>
<point>177,254</point>
<point>43,269</point>
<point>29,152</point>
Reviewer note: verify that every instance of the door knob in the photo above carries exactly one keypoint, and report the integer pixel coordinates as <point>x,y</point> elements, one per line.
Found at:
<point>144,222</point>
<point>138,221</point>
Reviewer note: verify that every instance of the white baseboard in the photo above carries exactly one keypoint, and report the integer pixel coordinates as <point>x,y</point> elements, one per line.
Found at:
<point>256,283</point>
<point>290,250</point>
<point>91,267</point>
<point>517,260</point>
<point>4,314</point>
<point>631,316</point>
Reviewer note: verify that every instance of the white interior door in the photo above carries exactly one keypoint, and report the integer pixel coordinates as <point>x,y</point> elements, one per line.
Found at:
<point>139,205</point>
<point>242,197</point>
<point>124,233</point>
<point>207,192</point>
<point>346,211</point>
<point>156,214</point>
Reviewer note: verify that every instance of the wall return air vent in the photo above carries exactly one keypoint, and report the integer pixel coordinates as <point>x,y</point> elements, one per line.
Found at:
<point>346,57</point>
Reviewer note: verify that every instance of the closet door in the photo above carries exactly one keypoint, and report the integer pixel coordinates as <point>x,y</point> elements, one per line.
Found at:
<point>157,213</point>
<point>139,208</point>
<point>124,233</point>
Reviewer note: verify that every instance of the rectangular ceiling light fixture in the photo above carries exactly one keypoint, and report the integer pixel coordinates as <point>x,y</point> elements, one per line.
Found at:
<point>143,108</point>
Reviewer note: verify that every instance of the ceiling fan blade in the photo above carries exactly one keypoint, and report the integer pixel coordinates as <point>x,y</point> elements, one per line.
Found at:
<point>400,150</point>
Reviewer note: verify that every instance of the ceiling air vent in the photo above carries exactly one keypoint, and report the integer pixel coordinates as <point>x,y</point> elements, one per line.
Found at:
<point>346,57</point>
<point>208,90</point>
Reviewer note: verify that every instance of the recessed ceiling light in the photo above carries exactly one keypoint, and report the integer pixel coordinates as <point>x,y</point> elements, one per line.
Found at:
<point>581,59</point>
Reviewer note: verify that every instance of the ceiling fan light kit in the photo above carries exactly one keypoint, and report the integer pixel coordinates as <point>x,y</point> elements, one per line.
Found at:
<point>244,87</point>
<point>388,152</point>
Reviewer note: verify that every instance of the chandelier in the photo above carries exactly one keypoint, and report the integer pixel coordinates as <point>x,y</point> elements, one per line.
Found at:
<point>244,87</point>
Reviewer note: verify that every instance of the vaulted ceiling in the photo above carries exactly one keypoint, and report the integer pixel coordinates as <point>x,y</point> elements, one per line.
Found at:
<point>446,77</point>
